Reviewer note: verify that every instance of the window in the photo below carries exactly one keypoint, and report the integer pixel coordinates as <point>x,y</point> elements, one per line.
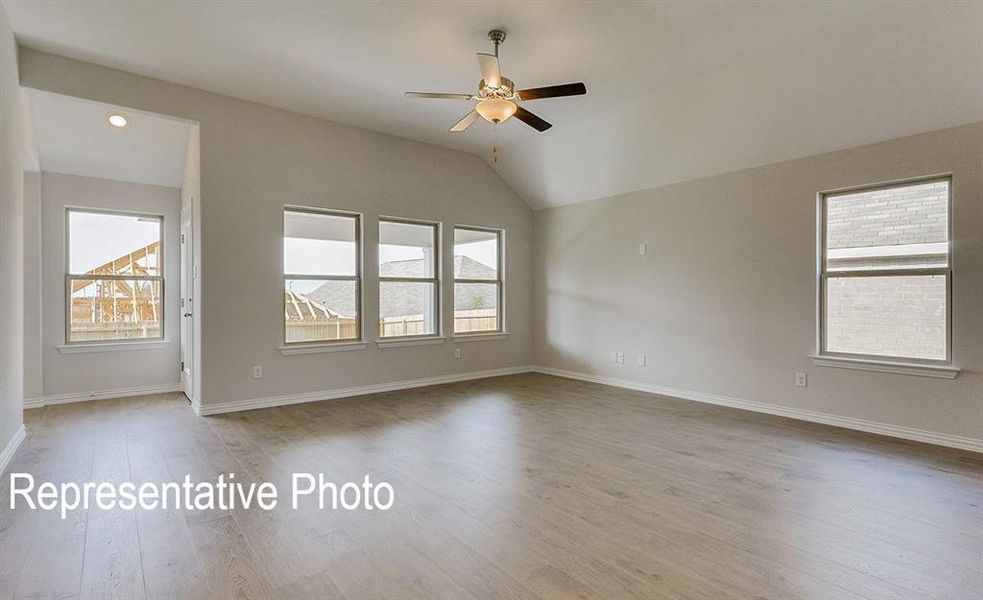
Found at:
<point>886,272</point>
<point>477,280</point>
<point>115,284</point>
<point>408,267</point>
<point>322,276</point>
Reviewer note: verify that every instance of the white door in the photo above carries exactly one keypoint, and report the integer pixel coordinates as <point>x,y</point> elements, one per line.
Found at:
<point>187,317</point>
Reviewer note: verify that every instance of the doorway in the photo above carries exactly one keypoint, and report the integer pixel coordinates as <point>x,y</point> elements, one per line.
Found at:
<point>190,328</point>
<point>187,304</point>
<point>116,201</point>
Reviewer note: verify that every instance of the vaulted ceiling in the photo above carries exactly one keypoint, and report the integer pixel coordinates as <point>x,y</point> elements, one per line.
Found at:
<point>677,90</point>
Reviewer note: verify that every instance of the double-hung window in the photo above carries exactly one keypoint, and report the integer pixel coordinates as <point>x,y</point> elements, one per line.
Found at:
<point>409,262</point>
<point>114,287</point>
<point>322,282</point>
<point>477,280</point>
<point>886,272</point>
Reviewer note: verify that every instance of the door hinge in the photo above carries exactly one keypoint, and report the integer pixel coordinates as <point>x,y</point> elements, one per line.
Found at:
<point>182,366</point>
<point>182,238</point>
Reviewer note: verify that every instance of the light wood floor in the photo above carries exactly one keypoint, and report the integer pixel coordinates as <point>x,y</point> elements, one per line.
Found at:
<point>516,487</point>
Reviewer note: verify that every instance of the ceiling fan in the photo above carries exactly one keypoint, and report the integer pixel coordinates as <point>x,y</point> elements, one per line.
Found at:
<point>497,99</point>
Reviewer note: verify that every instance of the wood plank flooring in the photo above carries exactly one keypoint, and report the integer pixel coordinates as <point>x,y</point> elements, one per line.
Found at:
<point>526,486</point>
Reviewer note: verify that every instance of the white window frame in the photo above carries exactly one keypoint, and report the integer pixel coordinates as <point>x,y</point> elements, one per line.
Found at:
<point>878,362</point>
<point>70,277</point>
<point>435,280</point>
<point>357,341</point>
<point>499,281</point>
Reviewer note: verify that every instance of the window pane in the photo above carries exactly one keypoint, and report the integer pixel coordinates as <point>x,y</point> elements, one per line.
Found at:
<point>902,316</point>
<point>107,244</point>
<point>319,244</point>
<point>475,307</point>
<point>406,250</point>
<point>894,228</point>
<point>319,310</point>
<point>475,254</point>
<point>407,308</point>
<point>114,309</point>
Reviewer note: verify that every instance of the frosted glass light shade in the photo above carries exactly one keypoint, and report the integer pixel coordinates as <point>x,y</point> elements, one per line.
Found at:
<point>496,110</point>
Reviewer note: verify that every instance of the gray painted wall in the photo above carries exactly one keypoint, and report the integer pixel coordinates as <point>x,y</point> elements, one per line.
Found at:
<point>11,241</point>
<point>104,371</point>
<point>725,301</point>
<point>255,159</point>
<point>32,286</point>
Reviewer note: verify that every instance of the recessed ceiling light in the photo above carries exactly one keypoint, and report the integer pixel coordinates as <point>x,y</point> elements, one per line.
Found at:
<point>117,120</point>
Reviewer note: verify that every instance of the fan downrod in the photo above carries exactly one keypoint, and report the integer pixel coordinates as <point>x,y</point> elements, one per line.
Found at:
<point>496,36</point>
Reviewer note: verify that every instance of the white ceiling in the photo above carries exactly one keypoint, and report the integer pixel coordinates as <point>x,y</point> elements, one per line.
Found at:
<point>74,136</point>
<point>677,90</point>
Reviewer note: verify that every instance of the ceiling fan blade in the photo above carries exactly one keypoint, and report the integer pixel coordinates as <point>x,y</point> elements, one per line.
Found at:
<point>531,120</point>
<point>489,69</point>
<point>466,122</point>
<point>553,91</point>
<point>437,95</point>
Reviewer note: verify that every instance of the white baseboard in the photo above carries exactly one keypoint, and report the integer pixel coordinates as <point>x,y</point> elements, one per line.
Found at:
<point>271,401</point>
<point>12,445</point>
<point>897,431</point>
<point>102,395</point>
<point>907,433</point>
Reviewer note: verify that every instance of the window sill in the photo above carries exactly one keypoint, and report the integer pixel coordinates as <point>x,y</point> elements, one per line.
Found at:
<point>112,347</point>
<point>480,337</point>
<point>410,341</point>
<point>321,348</point>
<point>886,366</point>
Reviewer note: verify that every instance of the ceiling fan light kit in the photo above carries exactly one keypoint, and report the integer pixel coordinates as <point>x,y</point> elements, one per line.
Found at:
<point>496,110</point>
<point>497,99</point>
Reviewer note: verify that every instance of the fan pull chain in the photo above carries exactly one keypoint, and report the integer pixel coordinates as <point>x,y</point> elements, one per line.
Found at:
<point>495,143</point>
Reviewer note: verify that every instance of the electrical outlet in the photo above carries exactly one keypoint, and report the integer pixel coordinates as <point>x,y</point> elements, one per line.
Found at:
<point>642,249</point>
<point>641,360</point>
<point>621,358</point>
<point>457,353</point>
<point>258,372</point>
<point>801,380</point>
